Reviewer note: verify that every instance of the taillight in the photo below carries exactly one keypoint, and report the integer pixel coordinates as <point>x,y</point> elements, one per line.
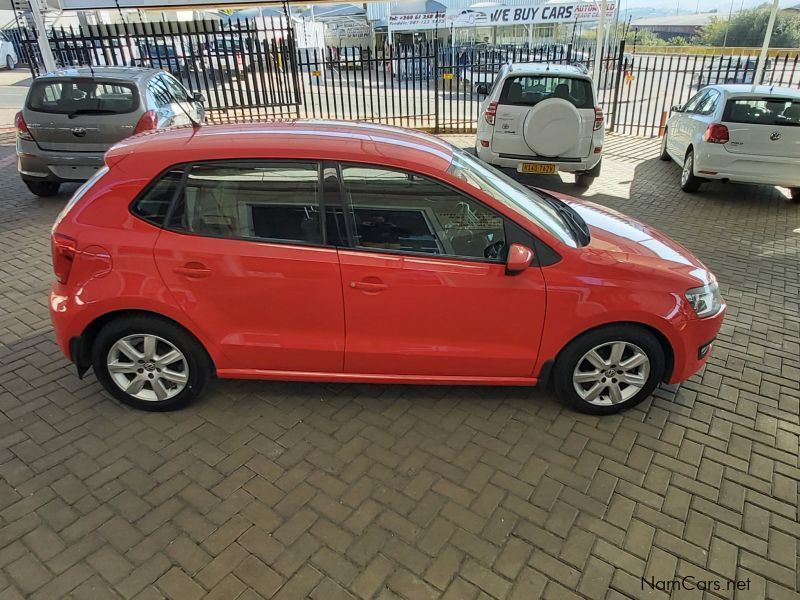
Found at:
<point>717,134</point>
<point>598,118</point>
<point>147,122</point>
<point>491,113</point>
<point>64,250</point>
<point>22,127</point>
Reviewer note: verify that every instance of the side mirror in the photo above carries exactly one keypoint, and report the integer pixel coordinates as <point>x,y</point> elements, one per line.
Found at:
<point>481,89</point>
<point>198,97</point>
<point>677,108</point>
<point>519,258</point>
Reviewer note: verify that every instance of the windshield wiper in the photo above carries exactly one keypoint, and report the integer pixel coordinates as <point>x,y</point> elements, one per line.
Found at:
<point>91,111</point>
<point>572,219</point>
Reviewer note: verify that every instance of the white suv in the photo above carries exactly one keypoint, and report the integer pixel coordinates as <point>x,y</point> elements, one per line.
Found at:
<point>542,118</point>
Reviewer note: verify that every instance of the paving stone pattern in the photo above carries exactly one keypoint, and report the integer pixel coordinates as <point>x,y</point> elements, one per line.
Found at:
<point>295,490</point>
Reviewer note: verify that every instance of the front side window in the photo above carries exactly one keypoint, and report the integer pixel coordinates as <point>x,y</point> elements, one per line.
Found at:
<point>175,89</point>
<point>511,193</point>
<point>708,103</point>
<point>529,90</point>
<point>395,210</point>
<point>271,201</point>
<point>694,101</point>
<point>82,96</point>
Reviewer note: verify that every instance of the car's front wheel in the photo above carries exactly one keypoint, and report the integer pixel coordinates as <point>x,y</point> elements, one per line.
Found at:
<point>150,363</point>
<point>43,189</point>
<point>609,369</point>
<point>689,181</point>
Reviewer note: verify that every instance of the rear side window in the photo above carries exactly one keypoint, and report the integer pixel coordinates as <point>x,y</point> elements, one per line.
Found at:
<point>275,201</point>
<point>82,96</point>
<point>763,111</point>
<point>153,205</point>
<point>529,90</point>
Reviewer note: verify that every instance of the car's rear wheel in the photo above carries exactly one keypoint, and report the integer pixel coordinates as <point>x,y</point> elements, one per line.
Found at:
<point>584,180</point>
<point>664,155</point>
<point>150,363</point>
<point>689,181</point>
<point>608,370</point>
<point>9,62</point>
<point>43,189</point>
<point>794,194</point>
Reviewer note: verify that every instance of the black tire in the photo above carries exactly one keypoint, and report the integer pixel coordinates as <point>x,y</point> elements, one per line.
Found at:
<point>43,189</point>
<point>584,180</point>
<point>794,194</point>
<point>199,364</point>
<point>570,357</point>
<point>690,183</point>
<point>664,155</point>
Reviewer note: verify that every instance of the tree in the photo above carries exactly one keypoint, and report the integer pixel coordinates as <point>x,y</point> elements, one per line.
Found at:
<point>748,27</point>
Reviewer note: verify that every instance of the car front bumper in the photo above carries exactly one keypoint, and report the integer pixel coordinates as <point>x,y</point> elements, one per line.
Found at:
<point>35,164</point>
<point>694,345</point>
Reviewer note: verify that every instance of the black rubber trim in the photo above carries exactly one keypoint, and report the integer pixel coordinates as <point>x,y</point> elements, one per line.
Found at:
<point>79,354</point>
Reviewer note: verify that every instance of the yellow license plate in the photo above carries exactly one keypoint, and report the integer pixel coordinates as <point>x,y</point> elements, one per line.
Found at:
<point>541,168</point>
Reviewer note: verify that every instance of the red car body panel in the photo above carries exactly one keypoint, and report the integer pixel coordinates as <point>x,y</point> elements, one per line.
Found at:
<point>285,311</point>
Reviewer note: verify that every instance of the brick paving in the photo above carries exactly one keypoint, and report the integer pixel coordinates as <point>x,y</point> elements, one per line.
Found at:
<point>294,490</point>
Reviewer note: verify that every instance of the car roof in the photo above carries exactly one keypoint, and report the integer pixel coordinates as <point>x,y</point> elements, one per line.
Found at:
<point>548,69</point>
<point>743,89</point>
<point>291,139</point>
<point>127,73</point>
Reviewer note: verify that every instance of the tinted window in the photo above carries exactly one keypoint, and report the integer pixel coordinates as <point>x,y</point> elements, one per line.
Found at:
<point>763,111</point>
<point>694,101</point>
<point>532,89</point>
<point>394,210</point>
<point>268,201</point>
<point>154,203</point>
<point>82,96</point>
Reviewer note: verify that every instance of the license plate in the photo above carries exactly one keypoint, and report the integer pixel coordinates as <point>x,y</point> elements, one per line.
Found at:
<point>540,168</point>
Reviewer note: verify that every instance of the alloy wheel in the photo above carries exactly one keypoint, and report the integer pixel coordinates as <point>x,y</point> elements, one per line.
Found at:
<point>147,367</point>
<point>687,169</point>
<point>611,373</point>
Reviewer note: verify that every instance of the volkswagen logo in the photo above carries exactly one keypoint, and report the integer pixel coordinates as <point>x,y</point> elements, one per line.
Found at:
<point>775,136</point>
<point>78,131</point>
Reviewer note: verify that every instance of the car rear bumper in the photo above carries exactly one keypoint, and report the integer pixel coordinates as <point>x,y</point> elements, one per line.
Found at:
<point>35,164</point>
<point>493,158</point>
<point>747,168</point>
<point>694,346</point>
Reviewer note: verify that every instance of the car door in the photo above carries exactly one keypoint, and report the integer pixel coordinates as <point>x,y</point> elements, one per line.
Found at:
<point>424,282</point>
<point>678,137</point>
<point>243,255</point>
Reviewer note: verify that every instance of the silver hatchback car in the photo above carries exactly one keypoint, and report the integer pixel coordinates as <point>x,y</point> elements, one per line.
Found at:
<point>72,116</point>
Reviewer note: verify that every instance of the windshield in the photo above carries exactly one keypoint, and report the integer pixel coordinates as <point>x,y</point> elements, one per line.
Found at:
<point>511,193</point>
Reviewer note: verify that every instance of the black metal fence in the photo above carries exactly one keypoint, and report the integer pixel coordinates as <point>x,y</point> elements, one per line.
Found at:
<point>251,70</point>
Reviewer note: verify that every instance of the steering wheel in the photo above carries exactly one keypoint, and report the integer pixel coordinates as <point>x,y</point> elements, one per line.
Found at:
<point>494,250</point>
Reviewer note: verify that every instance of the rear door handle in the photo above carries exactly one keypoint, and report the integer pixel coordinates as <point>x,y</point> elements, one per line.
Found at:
<point>193,270</point>
<point>368,286</point>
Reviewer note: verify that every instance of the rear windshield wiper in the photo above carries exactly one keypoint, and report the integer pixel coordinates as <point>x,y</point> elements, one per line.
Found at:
<point>91,111</point>
<point>572,219</point>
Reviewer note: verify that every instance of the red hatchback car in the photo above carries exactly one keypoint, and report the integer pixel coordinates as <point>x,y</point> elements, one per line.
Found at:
<point>326,251</point>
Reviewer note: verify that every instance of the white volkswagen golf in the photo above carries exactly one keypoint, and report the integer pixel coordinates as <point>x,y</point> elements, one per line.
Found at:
<point>541,118</point>
<point>737,133</point>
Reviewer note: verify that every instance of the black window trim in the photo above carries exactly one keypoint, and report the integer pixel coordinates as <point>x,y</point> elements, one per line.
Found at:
<point>520,234</point>
<point>187,166</point>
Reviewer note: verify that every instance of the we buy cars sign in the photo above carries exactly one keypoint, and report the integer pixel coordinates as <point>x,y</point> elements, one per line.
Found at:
<point>560,12</point>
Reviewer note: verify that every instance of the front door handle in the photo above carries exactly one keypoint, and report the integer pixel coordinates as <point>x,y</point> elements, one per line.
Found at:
<point>368,286</point>
<point>193,270</point>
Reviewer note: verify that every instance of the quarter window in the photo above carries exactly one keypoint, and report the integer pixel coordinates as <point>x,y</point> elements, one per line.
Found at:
<point>154,204</point>
<point>395,210</point>
<point>274,201</point>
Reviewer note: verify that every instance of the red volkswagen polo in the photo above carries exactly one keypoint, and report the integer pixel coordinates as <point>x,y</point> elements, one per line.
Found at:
<point>326,251</point>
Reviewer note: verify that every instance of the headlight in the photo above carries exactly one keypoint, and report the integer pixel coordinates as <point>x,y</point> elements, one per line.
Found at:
<point>705,300</point>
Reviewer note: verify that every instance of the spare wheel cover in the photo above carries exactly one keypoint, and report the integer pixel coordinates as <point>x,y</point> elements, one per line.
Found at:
<point>552,127</point>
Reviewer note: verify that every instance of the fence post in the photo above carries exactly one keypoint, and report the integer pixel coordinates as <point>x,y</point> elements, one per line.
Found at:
<point>436,85</point>
<point>617,84</point>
